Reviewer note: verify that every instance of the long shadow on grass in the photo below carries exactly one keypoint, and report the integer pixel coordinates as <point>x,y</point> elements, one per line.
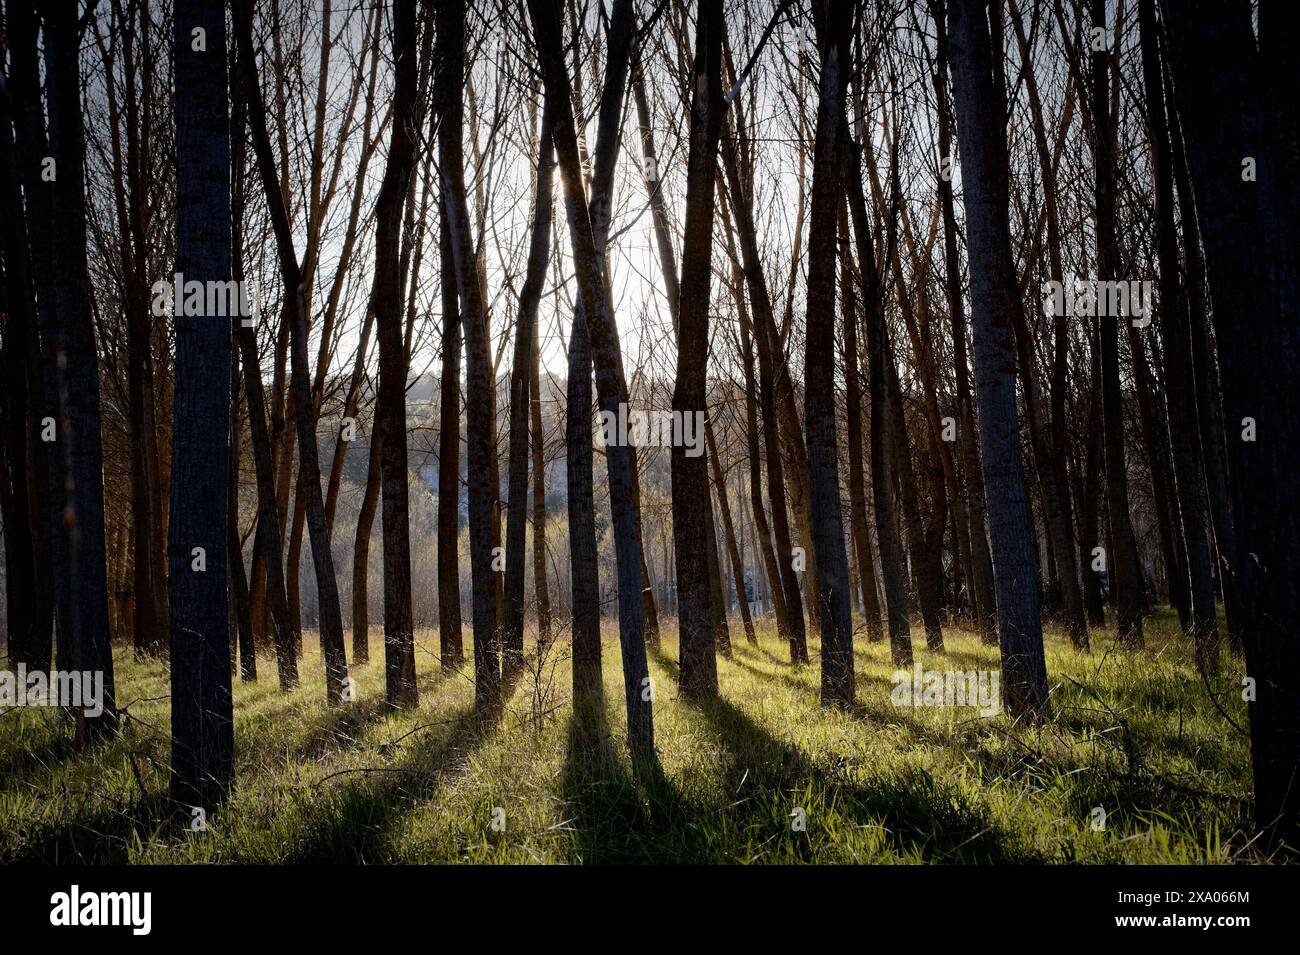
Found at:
<point>920,813</point>
<point>351,815</point>
<point>768,775</point>
<point>623,811</point>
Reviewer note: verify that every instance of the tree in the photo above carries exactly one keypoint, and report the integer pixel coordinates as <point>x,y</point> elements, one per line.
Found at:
<point>202,715</point>
<point>1184,432</point>
<point>83,594</point>
<point>1229,114</point>
<point>981,126</point>
<point>610,386</point>
<point>521,376</point>
<point>1122,562</point>
<point>693,536</point>
<point>834,26</point>
<point>479,412</point>
<point>331,629</point>
<point>390,412</point>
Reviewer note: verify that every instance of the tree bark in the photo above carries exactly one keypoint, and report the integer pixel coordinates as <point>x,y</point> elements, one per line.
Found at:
<point>202,717</point>
<point>1251,254</point>
<point>981,125</point>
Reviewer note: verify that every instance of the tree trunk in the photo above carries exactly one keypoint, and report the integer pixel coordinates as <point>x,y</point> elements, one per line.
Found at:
<point>331,621</point>
<point>693,538</point>
<point>834,24</point>
<point>893,562</point>
<point>981,125</point>
<point>451,645</point>
<point>202,715</point>
<point>535,434</point>
<point>611,388</point>
<point>1250,251</point>
<point>1121,564</point>
<point>520,379</point>
<point>400,690</point>
<point>85,594</point>
<point>479,403</point>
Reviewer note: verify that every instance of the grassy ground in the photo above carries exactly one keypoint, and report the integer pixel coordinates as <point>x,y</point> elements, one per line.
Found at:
<point>1134,734</point>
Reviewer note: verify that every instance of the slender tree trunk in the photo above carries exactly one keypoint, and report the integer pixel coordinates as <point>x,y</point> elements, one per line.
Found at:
<point>240,611</point>
<point>1184,433</point>
<point>400,689</point>
<point>450,641</point>
<point>610,386</point>
<point>1121,564</point>
<point>733,551</point>
<point>331,621</point>
<point>893,562</point>
<point>26,524</point>
<point>536,436</point>
<point>479,405</point>
<point>79,441</point>
<point>202,718</point>
<point>834,23</point>
<point>693,538</point>
<point>981,124</point>
<point>1209,411</point>
<point>761,306</point>
<point>520,379</point>
<point>853,422</point>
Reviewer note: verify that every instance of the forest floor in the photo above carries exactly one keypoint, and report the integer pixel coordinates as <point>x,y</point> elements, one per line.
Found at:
<point>1135,736</point>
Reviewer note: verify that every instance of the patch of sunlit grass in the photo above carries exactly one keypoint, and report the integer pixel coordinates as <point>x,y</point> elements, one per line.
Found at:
<point>762,774</point>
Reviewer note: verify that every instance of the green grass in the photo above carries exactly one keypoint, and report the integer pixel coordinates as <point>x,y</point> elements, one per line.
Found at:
<point>1134,733</point>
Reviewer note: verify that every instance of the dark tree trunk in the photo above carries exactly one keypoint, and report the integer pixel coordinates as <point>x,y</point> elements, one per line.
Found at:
<point>361,548</point>
<point>853,422</point>
<point>733,551</point>
<point>331,620</point>
<point>610,386</point>
<point>893,562</point>
<point>240,610</point>
<point>1184,433</point>
<point>693,537</point>
<point>981,563</point>
<point>268,571</point>
<point>981,125</point>
<point>1251,256</point>
<point>834,27</point>
<point>85,594</point>
<point>390,406</point>
<point>538,449</point>
<point>1209,410</point>
<point>451,645</point>
<point>479,399</point>
<point>791,628</point>
<point>27,526</point>
<point>520,380</point>
<point>201,711</point>
<point>1121,563</point>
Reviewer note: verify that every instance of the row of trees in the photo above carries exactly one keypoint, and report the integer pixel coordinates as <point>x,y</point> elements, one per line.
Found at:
<point>794,224</point>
